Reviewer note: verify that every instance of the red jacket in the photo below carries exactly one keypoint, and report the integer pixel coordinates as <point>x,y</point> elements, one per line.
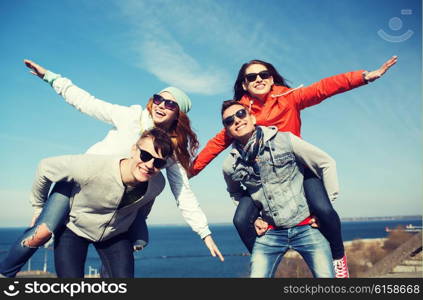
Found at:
<point>281,109</point>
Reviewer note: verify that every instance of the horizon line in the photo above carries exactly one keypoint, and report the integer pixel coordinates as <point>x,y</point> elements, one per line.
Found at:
<point>347,219</point>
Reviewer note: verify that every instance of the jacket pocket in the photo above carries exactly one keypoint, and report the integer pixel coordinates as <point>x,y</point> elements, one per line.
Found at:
<point>91,225</point>
<point>283,165</point>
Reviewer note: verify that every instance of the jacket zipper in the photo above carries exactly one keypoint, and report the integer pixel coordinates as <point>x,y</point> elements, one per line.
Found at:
<point>101,237</point>
<point>116,209</point>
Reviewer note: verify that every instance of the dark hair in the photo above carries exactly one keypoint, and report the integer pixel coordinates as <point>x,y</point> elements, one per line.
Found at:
<point>238,89</point>
<point>161,141</point>
<point>228,103</point>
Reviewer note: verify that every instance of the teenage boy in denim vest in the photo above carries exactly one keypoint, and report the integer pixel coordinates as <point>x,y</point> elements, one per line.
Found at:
<point>268,165</point>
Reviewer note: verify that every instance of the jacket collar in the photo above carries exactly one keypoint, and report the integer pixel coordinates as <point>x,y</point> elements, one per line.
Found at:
<point>268,133</point>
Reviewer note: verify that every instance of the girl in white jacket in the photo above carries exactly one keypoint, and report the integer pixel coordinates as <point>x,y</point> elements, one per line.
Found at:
<point>167,110</point>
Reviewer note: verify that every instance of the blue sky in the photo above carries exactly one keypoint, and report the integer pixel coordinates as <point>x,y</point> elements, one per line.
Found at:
<point>124,51</point>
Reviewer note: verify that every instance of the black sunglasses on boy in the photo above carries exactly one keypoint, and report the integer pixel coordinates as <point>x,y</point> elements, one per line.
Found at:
<point>146,156</point>
<point>240,114</point>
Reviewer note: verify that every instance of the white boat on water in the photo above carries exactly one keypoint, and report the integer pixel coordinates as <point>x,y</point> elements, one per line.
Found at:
<point>408,228</point>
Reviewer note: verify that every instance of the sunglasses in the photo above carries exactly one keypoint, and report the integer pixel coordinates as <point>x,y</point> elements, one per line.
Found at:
<point>253,76</point>
<point>240,114</point>
<point>169,104</point>
<point>146,156</point>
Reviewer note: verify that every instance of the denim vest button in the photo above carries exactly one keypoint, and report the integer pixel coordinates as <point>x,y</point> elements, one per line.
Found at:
<point>275,214</point>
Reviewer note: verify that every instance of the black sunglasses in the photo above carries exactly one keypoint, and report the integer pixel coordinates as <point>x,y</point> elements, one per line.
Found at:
<point>146,156</point>
<point>253,76</point>
<point>169,104</point>
<point>240,114</point>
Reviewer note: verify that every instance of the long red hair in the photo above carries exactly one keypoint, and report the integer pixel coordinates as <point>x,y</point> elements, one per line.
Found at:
<point>183,138</point>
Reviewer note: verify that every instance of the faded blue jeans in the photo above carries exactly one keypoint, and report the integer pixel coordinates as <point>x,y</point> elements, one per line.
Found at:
<point>55,214</point>
<point>270,248</point>
<point>319,204</point>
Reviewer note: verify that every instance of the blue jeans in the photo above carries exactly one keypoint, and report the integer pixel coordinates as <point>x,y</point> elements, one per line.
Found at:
<point>54,215</point>
<point>309,242</point>
<point>245,215</point>
<point>137,234</point>
<point>321,207</point>
<point>319,204</point>
<point>70,253</point>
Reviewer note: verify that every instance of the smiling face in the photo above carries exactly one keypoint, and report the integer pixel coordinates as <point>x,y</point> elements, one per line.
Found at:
<point>140,170</point>
<point>242,128</point>
<point>260,87</point>
<point>162,116</point>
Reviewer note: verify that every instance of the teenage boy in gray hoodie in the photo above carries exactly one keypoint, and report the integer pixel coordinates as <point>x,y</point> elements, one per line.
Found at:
<point>107,194</point>
<point>268,165</point>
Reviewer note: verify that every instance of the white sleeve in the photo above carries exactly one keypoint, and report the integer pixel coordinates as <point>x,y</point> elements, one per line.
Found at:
<point>186,200</point>
<point>114,114</point>
<point>323,165</point>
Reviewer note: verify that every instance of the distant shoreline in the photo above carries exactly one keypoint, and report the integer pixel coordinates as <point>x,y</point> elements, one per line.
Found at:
<point>385,218</point>
<point>348,219</point>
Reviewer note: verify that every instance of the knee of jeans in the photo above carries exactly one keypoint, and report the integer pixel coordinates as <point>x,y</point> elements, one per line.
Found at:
<point>260,267</point>
<point>322,265</point>
<point>240,221</point>
<point>41,235</point>
<point>325,212</point>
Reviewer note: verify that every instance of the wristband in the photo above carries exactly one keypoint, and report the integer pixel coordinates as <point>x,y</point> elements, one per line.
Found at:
<point>50,77</point>
<point>364,74</point>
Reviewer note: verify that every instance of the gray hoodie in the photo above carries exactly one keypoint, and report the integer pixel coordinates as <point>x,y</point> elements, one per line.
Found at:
<point>96,195</point>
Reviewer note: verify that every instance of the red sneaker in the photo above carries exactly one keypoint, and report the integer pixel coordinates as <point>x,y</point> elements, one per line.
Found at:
<point>341,268</point>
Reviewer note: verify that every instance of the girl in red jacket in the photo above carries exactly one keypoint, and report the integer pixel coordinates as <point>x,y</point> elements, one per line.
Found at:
<point>260,87</point>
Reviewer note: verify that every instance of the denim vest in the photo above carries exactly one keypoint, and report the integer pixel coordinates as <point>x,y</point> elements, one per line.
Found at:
<point>280,186</point>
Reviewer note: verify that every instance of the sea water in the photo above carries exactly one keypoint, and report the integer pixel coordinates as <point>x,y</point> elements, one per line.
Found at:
<point>176,251</point>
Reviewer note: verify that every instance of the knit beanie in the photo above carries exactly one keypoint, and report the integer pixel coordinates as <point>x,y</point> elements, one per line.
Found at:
<point>183,100</point>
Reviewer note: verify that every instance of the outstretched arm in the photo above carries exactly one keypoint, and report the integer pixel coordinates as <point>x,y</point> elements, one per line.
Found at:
<point>376,74</point>
<point>212,149</point>
<point>330,86</point>
<point>113,114</point>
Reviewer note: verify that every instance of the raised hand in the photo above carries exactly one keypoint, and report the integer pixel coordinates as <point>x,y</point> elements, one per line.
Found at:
<point>373,75</point>
<point>35,68</point>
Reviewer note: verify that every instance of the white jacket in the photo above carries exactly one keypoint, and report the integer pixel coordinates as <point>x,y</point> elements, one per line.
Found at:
<point>128,123</point>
